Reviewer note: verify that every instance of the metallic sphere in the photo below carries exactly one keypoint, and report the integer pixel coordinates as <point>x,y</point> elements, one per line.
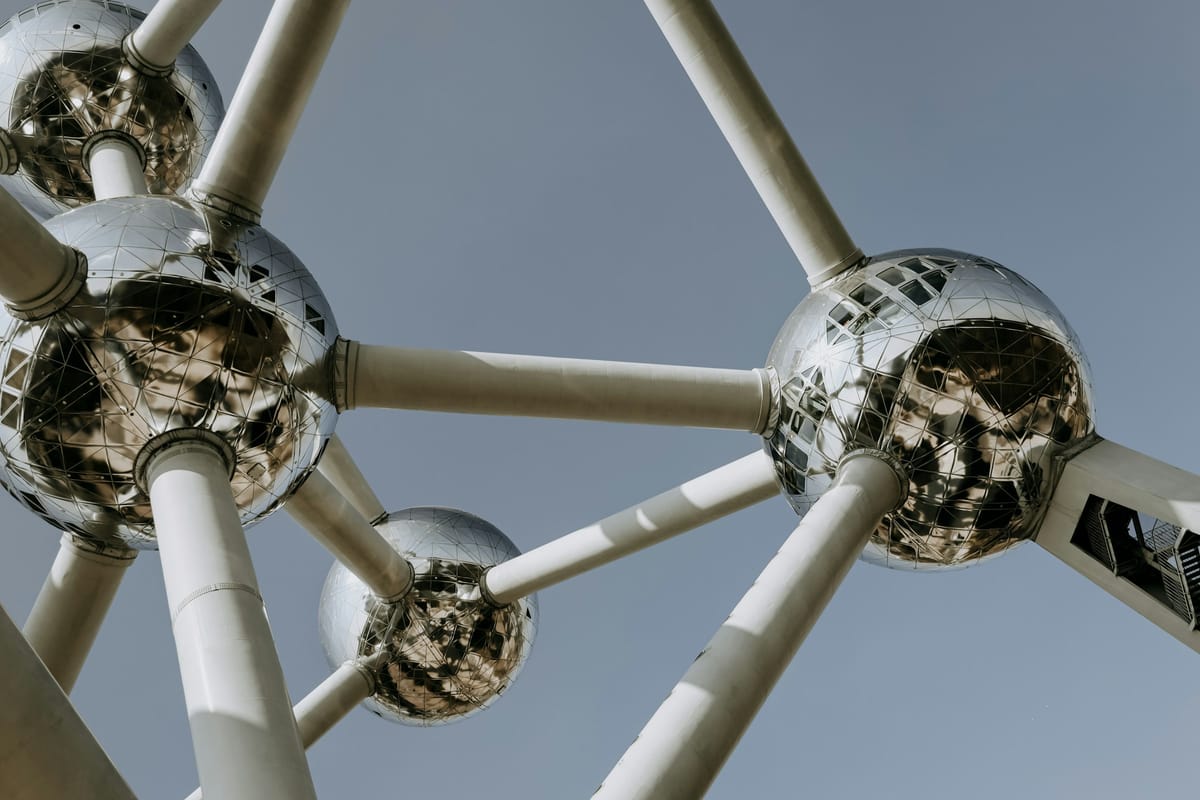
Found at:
<point>186,320</point>
<point>441,653</point>
<point>958,368</point>
<point>64,78</point>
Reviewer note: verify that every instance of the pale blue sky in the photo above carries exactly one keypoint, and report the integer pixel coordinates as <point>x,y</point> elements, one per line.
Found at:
<point>540,177</point>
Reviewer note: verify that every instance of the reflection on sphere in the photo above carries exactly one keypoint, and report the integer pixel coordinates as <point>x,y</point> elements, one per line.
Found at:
<point>447,652</point>
<point>957,367</point>
<point>63,78</point>
<point>186,320</point>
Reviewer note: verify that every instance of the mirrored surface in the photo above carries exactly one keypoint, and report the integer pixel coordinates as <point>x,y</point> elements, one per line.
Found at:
<point>447,652</point>
<point>186,320</point>
<point>64,78</point>
<point>955,365</point>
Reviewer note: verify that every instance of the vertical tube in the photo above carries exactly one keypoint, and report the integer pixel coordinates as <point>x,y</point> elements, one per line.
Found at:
<point>117,165</point>
<point>326,705</point>
<point>710,496</point>
<point>337,465</point>
<point>46,752</point>
<point>761,143</point>
<point>165,31</point>
<point>267,105</point>
<point>38,273</point>
<point>333,522</point>
<point>683,746</point>
<point>243,732</point>
<point>72,604</point>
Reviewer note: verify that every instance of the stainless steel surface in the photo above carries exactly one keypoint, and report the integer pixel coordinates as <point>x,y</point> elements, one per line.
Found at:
<point>186,320</point>
<point>64,77</point>
<point>957,367</point>
<point>449,653</point>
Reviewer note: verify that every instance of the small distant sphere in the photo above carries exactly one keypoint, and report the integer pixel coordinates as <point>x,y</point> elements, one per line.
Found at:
<point>446,652</point>
<point>186,320</point>
<point>63,78</point>
<point>957,367</point>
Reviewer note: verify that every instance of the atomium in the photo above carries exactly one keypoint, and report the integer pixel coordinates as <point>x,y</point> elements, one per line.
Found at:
<point>186,320</point>
<point>956,367</point>
<point>64,79</point>
<point>443,652</point>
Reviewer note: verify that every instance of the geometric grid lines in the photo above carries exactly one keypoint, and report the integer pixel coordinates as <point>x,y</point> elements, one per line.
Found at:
<point>186,321</point>
<point>443,652</point>
<point>955,366</point>
<point>65,79</point>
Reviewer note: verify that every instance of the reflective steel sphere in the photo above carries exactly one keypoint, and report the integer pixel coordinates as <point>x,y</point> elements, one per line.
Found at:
<point>957,367</point>
<point>447,653</point>
<point>186,320</point>
<point>64,78</point>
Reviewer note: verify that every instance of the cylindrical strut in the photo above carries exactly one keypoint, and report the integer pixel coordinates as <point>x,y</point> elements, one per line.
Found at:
<point>703,499</point>
<point>117,164</point>
<point>761,143</point>
<point>245,738</point>
<point>542,386</point>
<point>38,274</point>
<point>267,105</point>
<point>72,604</point>
<point>328,516</point>
<point>338,466</point>
<point>683,746</point>
<point>165,31</point>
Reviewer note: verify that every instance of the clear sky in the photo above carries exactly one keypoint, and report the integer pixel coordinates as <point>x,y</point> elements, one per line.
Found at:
<point>540,177</point>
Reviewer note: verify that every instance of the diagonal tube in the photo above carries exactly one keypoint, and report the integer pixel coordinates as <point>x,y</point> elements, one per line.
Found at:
<point>327,704</point>
<point>72,604</point>
<point>339,468</point>
<point>683,746</point>
<point>565,388</point>
<point>46,751</point>
<point>243,732</point>
<point>166,30</point>
<point>761,143</point>
<point>326,514</point>
<point>267,105</point>
<point>38,274</point>
<point>713,495</point>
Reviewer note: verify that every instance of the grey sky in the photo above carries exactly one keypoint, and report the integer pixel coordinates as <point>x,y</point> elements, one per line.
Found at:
<point>539,177</point>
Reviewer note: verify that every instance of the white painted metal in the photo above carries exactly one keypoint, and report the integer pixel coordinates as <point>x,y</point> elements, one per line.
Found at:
<point>244,735</point>
<point>328,516</point>
<point>268,103</point>
<point>713,495</point>
<point>327,704</point>
<point>767,153</point>
<point>37,272</point>
<point>116,168</point>
<point>540,386</point>
<point>683,746</point>
<point>338,466</point>
<point>166,30</point>
<point>72,605</point>
<point>46,752</point>
<point>1133,480</point>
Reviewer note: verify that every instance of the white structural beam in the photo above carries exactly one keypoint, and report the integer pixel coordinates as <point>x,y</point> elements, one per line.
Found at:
<point>165,31</point>
<point>72,604</point>
<point>329,703</point>
<point>713,495</point>
<point>267,105</point>
<point>243,732</point>
<point>46,752</point>
<point>683,746</point>
<point>38,274</point>
<point>1138,482</point>
<point>767,153</point>
<point>338,466</point>
<point>541,386</point>
<point>328,516</point>
<point>117,165</point>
